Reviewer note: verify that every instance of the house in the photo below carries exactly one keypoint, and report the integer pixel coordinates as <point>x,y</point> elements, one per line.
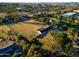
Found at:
<point>65,10</point>
<point>76,11</point>
<point>3,15</point>
<point>68,14</point>
<point>7,48</point>
<point>24,17</point>
<point>19,8</point>
<point>53,21</point>
<point>43,32</point>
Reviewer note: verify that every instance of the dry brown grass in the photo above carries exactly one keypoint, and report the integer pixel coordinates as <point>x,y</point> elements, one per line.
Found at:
<point>4,28</point>
<point>48,43</point>
<point>27,30</point>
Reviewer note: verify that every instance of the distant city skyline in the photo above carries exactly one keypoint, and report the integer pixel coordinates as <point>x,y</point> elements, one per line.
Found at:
<point>36,1</point>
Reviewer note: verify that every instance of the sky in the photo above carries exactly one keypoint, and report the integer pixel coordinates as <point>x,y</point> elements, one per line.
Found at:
<point>39,1</point>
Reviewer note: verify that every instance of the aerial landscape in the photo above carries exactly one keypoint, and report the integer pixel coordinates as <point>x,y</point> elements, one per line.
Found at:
<point>44,29</point>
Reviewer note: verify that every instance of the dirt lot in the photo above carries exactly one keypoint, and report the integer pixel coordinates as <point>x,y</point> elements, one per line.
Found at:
<point>26,29</point>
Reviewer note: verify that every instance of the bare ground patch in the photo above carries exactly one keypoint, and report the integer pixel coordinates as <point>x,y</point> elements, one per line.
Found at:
<point>27,30</point>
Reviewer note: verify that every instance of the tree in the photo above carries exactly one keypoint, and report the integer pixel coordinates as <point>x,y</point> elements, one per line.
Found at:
<point>70,18</point>
<point>76,22</point>
<point>63,41</point>
<point>35,45</point>
<point>2,20</point>
<point>31,50</point>
<point>38,55</point>
<point>16,54</point>
<point>26,47</point>
<point>36,42</point>
<point>72,33</point>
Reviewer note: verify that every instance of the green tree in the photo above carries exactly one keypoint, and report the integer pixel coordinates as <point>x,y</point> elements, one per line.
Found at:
<point>2,20</point>
<point>64,42</point>
<point>73,33</point>
<point>31,50</point>
<point>16,54</point>
<point>76,22</point>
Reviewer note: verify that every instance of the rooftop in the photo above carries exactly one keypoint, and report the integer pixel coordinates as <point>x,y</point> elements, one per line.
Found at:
<point>68,14</point>
<point>76,10</point>
<point>2,15</point>
<point>5,44</point>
